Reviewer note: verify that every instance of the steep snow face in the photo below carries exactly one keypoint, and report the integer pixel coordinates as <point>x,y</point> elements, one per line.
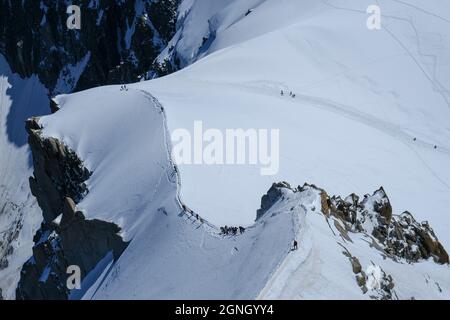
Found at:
<point>370,105</point>
<point>19,213</point>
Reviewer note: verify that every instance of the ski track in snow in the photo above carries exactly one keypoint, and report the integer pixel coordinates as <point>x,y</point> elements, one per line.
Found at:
<point>439,87</point>
<point>352,113</point>
<point>422,10</point>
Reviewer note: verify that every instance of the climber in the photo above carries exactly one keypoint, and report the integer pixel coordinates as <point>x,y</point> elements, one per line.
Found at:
<point>295,245</point>
<point>435,147</point>
<point>282,92</point>
<point>187,209</point>
<point>415,139</point>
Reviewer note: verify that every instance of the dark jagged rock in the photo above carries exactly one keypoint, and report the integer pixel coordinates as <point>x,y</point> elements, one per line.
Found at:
<point>75,241</point>
<point>58,184</point>
<point>118,40</point>
<point>381,205</point>
<point>399,237</point>
<point>273,195</point>
<point>414,241</point>
<point>58,172</point>
<point>53,106</point>
<point>356,265</point>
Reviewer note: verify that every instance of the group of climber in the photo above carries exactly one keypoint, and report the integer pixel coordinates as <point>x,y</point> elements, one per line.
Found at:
<point>191,213</point>
<point>291,94</point>
<point>232,230</point>
<point>415,139</point>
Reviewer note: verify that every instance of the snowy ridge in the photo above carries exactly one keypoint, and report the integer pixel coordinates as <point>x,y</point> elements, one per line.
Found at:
<point>255,263</point>
<point>322,267</point>
<point>217,265</point>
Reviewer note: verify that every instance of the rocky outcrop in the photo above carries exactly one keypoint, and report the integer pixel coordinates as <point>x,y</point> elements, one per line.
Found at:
<point>58,172</point>
<point>74,241</point>
<point>360,276</point>
<point>379,284</point>
<point>397,236</point>
<point>66,237</point>
<point>117,43</point>
<point>413,241</point>
<point>274,194</point>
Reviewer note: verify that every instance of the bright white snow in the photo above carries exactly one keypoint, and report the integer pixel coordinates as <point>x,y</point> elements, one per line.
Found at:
<point>361,98</point>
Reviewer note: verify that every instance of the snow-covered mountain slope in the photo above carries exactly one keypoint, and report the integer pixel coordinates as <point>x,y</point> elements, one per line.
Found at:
<point>205,26</point>
<point>121,139</point>
<point>369,107</point>
<point>19,214</point>
<point>361,98</point>
<point>40,56</point>
<point>191,260</point>
<point>330,261</point>
<point>134,185</point>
